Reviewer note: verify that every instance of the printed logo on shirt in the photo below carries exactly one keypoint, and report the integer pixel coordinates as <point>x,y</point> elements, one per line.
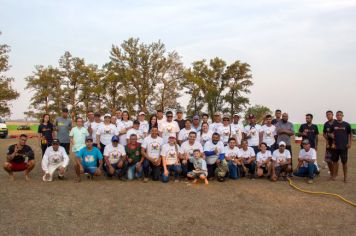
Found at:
<point>89,158</point>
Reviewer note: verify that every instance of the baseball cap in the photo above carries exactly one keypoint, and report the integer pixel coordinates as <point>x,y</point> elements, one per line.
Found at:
<point>55,141</point>
<point>251,116</point>
<point>89,138</point>
<point>305,141</point>
<point>196,117</point>
<point>172,136</point>
<point>282,143</point>
<point>114,139</point>
<point>141,113</point>
<point>226,116</point>
<point>107,115</point>
<point>236,115</point>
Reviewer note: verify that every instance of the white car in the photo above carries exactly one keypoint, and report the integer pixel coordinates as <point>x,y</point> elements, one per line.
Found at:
<point>3,128</point>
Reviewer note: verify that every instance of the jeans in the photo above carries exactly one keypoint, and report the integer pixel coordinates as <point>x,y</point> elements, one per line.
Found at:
<point>155,170</point>
<point>132,173</point>
<point>211,170</point>
<point>309,171</point>
<point>234,170</point>
<point>171,168</point>
<point>251,168</point>
<point>118,171</point>
<point>66,147</point>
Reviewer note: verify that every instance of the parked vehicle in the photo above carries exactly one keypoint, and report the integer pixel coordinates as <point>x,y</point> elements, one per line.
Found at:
<point>23,127</point>
<point>3,129</point>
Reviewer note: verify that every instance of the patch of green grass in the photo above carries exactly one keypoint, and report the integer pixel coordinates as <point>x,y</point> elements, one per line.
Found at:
<point>14,127</point>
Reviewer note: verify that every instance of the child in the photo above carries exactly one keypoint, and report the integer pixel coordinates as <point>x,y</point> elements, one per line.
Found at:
<point>200,169</point>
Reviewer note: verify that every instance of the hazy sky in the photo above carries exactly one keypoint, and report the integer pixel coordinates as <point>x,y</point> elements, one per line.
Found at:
<point>302,53</point>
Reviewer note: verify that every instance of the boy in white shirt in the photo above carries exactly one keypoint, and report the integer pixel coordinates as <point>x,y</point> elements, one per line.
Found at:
<point>282,164</point>
<point>264,161</point>
<point>54,158</point>
<point>114,158</point>
<point>307,166</point>
<point>200,170</point>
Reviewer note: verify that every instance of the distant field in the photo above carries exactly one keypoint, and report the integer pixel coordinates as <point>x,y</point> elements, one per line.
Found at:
<point>14,127</point>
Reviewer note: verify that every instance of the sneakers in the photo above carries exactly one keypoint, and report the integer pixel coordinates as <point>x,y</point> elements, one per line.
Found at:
<point>145,180</point>
<point>310,181</point>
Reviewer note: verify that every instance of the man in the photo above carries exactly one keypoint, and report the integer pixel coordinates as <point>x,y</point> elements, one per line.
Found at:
<point>168,127</point>
<point>226,131</point>
<point>278,115</point>
<point>93,127</point>
<point>184,133</point>
<point>87,159</point>
<point>205,118</point>
<point>196,123</point>
<point>63,127</point>
<point>114,157</point>
<point>134,158</point>
<point>170,155</point>
<point>252,133</point>
<point>118,114</point>
<point>267,133</point>
<point>77,135</point>
<point>307,166</point>
<point>238,129</point>
<point>135,130</point>
<point>105,132</point>
<point>214,127</point>
<point>281,162</point>
<point>20,157</point>
<point>231,156</point>
<point>90,117</point>
<point>285,131</point>
<point>309,131</point>
<point>179,119</point>
<point>247,156</point>
<point>143,124</point>
<point>54,159</point>
<point>151,149</point>
<point>188,148</point>
<point>215,158</point>
<point>342,142</point>
<point>328,134</point>
<point>160,117</point>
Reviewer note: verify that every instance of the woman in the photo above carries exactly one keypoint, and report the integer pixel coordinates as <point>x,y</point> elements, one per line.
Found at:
<point>171,155</point>
<point>123,126</point>
<point>152,123</point>
<point>46,133</point>
<point>205,133</point>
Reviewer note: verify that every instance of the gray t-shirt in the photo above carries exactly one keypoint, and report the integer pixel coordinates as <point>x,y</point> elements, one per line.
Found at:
<point>284,137</point>
<point>63,128</point>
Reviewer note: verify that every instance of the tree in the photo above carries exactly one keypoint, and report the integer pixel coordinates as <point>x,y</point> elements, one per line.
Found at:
<point>7,93</point>
<point>259,112</point>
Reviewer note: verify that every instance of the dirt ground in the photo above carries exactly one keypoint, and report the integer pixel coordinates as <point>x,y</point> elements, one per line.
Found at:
<point>111,207</point>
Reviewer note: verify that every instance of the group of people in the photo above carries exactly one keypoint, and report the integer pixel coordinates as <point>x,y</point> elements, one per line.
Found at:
<point>164,148</point>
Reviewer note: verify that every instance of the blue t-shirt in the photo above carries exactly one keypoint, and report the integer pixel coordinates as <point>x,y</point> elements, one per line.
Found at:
<point>89,158</point>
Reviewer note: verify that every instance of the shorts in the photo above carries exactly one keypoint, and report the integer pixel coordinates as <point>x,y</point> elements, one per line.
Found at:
<point>329,155</point>
<point>18,166</point>
<point>264,168</point>
<point>340,154</point>
<point>197,174</point>
<point>89,170</point>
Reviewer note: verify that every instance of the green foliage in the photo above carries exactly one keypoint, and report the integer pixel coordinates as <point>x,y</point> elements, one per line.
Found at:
<point>259,112</point>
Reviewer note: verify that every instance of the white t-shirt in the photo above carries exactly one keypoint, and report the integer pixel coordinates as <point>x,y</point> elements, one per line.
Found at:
<point>168,128</point>
<point>205,137</point>
<point>138,132</point>
<point>226,132</point>
<point>268,134</point>
<point>94,126</point>
<point>214,127</point>
<point>124,125</point>
<point>279,157</point>
<point>310,155</point>
<point>52,158</point>
<point>263,156</point>
<point>255,134</point>
<point>169,152</point>
<point>106,132</point>
<point>210,146</point>
<point>153,146</point>
<point>246,154</point>
<point>183,134</point>
<point>239,129</point>
<point>159,122</point>
<point>232,153</point>
<point>114,154</point>
<point>144,126</point>
<point>189,149</point>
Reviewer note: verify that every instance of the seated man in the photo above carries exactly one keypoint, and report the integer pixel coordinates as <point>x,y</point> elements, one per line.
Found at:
<point>134,158</point>
<point>20,157</point>
<point>264,160</point>
<point>282,162</point>
<point>170,155</point>
<point>114,157</point>
<point>307,166</point>
<point>87,159</point>
<point>54,158</point>
<point>248,156</point>
<point>200,170</point>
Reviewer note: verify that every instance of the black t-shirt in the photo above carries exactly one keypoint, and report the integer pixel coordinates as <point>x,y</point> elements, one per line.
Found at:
<point>329,129</point>
<point>342,130</point>
<point>181,123</point>
<point>25,151</point>
<point>312,132</point>
<point>46,131</point>
<point>275,121</point>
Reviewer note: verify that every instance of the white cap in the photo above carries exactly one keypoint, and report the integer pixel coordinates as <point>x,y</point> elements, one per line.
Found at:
<point>107,114</point>
<point>172,135</point>
<point>141,113</point>
<point>236,114</point>
<point>282,143</point>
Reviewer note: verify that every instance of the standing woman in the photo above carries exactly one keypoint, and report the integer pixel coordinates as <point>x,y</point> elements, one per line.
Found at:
<point>205,134</point>
<point>123,126</point>
<point>152,123</point>
<point>46,132</point>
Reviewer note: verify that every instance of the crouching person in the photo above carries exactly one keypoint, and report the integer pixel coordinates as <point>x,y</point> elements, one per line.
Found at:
<point>115,157</point>
<point>20,157</point>
<point>248,156</point>
<point>231,156</point>
<point>282,162</point>
<point>264,161</point>
<point>87,159</point>
<point>307,166</point>
<point>54,159</point>
<point>134,158</point>
<point>215,157</point>
<point>200,170</point>
<point>170,155</point>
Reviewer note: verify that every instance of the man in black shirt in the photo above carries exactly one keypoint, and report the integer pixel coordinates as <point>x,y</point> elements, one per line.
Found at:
<point>20,157</point>
<point>278,117</point>
<point>328,133</point>
<point>342,142</point>
<point>180,120</point>
<point>309,131</point>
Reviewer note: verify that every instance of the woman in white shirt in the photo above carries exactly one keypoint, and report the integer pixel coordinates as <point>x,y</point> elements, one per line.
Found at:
<point>205,134</point>
<point>123,126</point>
